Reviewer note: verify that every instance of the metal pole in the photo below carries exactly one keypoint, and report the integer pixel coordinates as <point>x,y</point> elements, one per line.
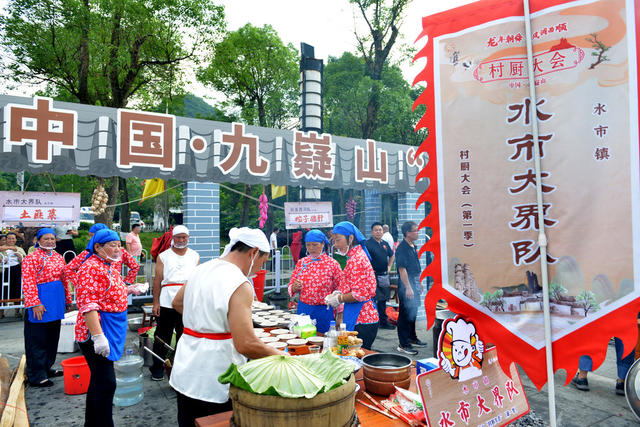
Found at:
<point>542,238</point>
<point>276,259</point>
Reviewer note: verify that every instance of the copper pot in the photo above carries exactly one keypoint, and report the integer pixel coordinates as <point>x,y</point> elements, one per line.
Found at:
<point>383,371</point>
<point>385,388</point>
<point>386,367</point>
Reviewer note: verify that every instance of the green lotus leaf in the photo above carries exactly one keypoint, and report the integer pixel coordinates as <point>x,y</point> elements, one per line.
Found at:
<point>287,376</point>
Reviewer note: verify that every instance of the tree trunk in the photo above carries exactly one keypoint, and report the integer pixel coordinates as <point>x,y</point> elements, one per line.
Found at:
<point>262,116</point>
<point>373,105</point>
<point>125,211</point>
<point>244,219</point>
<point>83,57</point>
<point>111,187</point>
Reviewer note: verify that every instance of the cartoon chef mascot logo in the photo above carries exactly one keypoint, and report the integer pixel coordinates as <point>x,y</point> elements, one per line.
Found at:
<point>460,349</point>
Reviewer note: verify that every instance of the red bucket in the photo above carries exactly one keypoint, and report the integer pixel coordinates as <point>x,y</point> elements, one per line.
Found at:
<point>76,375</point>
<point>258,283</point>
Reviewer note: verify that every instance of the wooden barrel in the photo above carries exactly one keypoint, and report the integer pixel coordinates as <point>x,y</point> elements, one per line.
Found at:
<point>333,408</point>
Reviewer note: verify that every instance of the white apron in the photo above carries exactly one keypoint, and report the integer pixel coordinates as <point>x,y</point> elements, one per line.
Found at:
<point>199,361</point>
<point>177,269</point>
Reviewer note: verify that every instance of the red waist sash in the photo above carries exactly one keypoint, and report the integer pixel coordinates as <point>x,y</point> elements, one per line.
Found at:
<point>209,335</point>
<point>173,284</point>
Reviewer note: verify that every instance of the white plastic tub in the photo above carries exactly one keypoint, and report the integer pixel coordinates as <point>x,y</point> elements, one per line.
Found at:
<point>67,343</point>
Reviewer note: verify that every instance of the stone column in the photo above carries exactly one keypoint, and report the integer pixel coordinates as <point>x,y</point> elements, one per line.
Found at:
<point>372,210</point>
<point>201,202</point>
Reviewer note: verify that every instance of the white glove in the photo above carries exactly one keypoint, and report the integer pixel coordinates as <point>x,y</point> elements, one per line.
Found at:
<point>101,345</point>
<point>333,299</point>
<point>137,288</point>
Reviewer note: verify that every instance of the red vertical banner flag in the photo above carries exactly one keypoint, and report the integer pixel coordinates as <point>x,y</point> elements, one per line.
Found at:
<point>482,182</point>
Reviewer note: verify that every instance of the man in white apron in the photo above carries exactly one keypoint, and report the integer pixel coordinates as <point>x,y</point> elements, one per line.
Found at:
<point>173,266</point>
<point>218,330</point>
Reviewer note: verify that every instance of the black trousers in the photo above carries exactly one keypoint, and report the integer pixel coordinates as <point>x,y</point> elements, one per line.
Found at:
<point>15,281</point>
<point>383,292</point>
<point>63,246</point>
<point>102,387</point>
<point>408,312</point>
<point>367,332</point>
<point>189,409</point>
<point>40,347</point>
<point>168,321</point>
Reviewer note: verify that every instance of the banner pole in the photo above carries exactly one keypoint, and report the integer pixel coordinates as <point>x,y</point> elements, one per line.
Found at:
<point>542,238</point>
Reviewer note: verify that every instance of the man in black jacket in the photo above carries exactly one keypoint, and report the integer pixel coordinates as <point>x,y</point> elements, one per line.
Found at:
<point>409,289</point>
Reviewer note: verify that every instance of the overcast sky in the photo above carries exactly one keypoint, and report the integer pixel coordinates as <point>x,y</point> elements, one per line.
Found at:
<point>328,25</point>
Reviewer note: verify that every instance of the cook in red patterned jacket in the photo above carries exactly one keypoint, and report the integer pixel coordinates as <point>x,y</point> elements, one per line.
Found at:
<point>359,285</point>
<point>315,277</point>
<point>126,259</point>
<point>46,292</point>
<point>101,327</point>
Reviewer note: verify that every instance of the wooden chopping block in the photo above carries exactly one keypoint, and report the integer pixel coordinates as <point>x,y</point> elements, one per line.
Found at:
<point>22,419</point>
<point>5,382</point>
<point>9,414</point>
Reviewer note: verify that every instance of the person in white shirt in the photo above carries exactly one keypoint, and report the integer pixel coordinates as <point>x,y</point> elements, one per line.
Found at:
<point>273,240</point>
<point>387,237</point>
<point>64,241</point>
<point>173,266</point>
<point>218,329</point>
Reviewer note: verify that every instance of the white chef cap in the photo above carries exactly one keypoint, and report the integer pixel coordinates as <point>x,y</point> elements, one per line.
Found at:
<point>251,237</point>
<point>180,229</point>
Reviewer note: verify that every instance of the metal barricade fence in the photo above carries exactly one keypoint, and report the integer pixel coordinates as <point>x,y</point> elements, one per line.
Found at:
<point>72,288</point>
<point>145,275</point>
<point>5,287</point>
<point>282,266</point>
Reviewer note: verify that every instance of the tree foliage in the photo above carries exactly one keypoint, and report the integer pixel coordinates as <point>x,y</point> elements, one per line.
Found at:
<point>258,73</point>
<point>383,18</point>
<point>347,87</point>
<point>557,291</point>
<point>106,52</point>
<point>588,301</point>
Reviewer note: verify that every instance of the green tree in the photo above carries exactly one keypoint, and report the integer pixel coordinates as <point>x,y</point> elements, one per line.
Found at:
<point>107,52</point>
<point>383,18</point>
<point>556,291</point>
<point>347,87</point>
<point>588,301</point>
<point>259,74</point>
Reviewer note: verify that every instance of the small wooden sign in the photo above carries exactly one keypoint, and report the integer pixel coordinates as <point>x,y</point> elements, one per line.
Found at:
<point>470,388</point>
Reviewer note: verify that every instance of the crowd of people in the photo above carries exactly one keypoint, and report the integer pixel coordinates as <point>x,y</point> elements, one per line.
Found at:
<point>101,299</point>
<point>353,285</point>
<point>212,329</point>
<point>340,276</point>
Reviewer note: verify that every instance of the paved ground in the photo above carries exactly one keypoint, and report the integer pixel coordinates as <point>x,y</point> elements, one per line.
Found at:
<point>51,407</point>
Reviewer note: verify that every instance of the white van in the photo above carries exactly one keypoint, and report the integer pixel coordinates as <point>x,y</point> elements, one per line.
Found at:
<point>86,215</point>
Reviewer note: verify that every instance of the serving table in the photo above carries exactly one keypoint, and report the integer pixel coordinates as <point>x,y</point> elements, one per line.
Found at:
<point>367,417</point>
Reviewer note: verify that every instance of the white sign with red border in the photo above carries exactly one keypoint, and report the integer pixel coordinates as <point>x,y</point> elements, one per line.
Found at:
<point>308,215</point>
<point>36,209</point>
